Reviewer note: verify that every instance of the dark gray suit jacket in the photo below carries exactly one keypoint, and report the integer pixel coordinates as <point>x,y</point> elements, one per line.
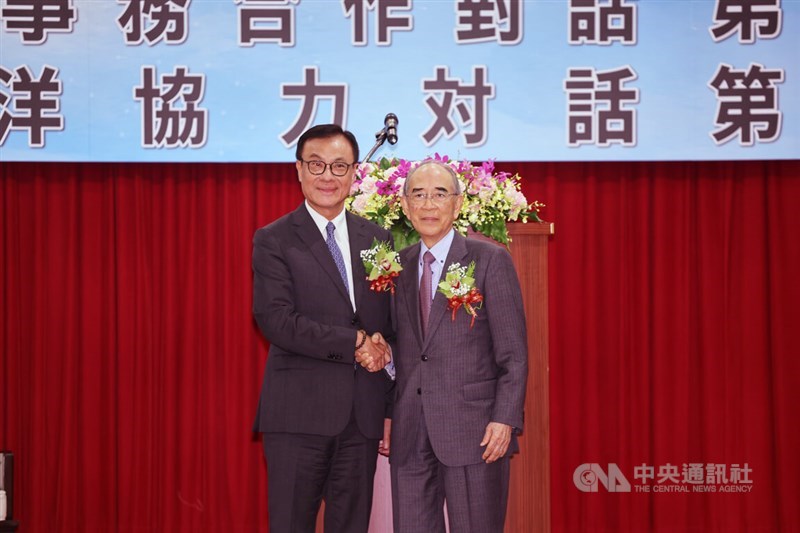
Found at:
<point>458,378</point>
<point>302,308</point>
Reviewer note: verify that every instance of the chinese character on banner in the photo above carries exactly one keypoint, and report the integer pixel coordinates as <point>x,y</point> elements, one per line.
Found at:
<point>163,19</point>
<point>5,115</point>
<point>266,21</point>
<point>386,23</point>
<point>455,94</point>
<point>747,104</point>
<point>171,117</point>
<point>34,19</point>
<point>489,20</point>
<point>35,103</point>
<point>598,107</point>
<point>602,22</point>
<point>310,91</point>
<point>750,18</point>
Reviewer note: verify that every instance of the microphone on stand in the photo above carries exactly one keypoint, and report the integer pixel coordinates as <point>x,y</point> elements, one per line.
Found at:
<point>388,132</point>
<point>390,123</point>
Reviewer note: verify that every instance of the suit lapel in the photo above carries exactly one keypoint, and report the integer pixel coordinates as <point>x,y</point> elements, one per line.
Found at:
<point>409,286</point>
<point>308,232</point>
<point>457,253</point>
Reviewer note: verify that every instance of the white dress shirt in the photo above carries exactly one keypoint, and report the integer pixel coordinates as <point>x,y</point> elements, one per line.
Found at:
<point>439,251</point>
<point>342,240</point>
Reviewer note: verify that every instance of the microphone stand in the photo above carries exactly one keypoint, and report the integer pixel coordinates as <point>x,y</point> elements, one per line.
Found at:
<point>380,138</point>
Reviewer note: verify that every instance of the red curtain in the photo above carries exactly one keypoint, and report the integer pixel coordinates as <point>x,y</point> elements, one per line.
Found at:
<point>131,364</point>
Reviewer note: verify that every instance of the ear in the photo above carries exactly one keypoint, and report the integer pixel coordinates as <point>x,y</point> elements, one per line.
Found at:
<point>457,206</point>
<point>299,166</point>
<point>351,176</point>
<point>404,205</point>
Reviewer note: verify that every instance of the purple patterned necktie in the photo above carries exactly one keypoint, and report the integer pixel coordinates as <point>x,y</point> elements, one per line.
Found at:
<point>425,290</point>
<point>336,253</point>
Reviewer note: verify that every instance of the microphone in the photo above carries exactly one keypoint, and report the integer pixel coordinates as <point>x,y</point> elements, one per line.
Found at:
<point>390,122</point>
<point>388,132</point>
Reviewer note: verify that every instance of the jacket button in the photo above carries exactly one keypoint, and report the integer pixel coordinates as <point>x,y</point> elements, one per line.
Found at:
<point>419,391</point>
<point>424,357</point>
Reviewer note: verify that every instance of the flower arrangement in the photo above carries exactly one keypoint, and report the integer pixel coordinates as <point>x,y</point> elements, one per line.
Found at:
<point>490,198</point>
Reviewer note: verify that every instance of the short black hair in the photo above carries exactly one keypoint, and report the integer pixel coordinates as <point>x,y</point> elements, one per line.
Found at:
<point>325,131</point>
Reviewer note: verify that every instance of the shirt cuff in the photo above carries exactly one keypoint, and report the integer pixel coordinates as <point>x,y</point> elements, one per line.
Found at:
<point>390,370</point>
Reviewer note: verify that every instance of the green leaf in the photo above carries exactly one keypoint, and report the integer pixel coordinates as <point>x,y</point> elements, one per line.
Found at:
<point>494,228</point>
<point>404,237</point>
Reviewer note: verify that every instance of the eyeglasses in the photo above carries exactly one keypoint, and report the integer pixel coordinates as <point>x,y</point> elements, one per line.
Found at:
<point>317,167</point>
<point>436,198</point>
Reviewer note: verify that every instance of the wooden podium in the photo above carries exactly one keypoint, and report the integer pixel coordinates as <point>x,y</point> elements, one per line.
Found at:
<point>529,491</point>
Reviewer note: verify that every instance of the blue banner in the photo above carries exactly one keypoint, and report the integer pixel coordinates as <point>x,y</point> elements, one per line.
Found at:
<point>513,80</point>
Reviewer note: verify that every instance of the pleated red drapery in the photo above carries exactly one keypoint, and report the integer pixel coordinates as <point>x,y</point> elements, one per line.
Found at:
<point>130,363</point>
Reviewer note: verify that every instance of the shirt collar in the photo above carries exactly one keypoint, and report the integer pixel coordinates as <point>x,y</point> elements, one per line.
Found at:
<point>440,249</point>
<point>339,220</point>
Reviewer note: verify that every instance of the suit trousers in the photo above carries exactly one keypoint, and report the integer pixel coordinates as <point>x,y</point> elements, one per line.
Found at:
<point>476,494</point>
<point>303,469</point>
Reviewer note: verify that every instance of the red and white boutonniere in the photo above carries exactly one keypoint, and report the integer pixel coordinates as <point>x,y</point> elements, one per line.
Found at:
<point>382,264</point>
<point>459,288</point>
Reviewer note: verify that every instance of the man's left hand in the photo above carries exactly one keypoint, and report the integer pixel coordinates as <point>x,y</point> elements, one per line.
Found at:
<point>496,439</point>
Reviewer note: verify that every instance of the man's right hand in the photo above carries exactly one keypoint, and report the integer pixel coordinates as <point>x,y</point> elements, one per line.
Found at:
<point>374,354</point>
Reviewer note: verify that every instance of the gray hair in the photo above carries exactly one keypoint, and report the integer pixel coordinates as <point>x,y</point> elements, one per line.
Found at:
<point>448,168</point>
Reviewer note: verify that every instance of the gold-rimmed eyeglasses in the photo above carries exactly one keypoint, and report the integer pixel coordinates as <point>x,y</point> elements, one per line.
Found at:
<point>317,167</point>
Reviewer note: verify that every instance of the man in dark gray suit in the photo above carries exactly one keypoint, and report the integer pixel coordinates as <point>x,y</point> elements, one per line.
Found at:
<point>460,383</point>
<point>323,399</point>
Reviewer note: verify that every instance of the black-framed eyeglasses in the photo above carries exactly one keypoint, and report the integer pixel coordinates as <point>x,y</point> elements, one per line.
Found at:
<point>317,167</point>
<point>436,198</point>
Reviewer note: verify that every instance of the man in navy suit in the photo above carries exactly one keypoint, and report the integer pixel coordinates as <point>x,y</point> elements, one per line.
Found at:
<point>460,377</point>
<point>323,399</point>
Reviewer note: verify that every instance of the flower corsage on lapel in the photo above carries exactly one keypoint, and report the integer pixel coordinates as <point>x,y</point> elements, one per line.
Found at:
<point>460,290</point>
<point>382,264</point>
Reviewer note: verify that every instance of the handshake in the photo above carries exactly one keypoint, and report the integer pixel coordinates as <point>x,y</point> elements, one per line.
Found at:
<point>372,352</point>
